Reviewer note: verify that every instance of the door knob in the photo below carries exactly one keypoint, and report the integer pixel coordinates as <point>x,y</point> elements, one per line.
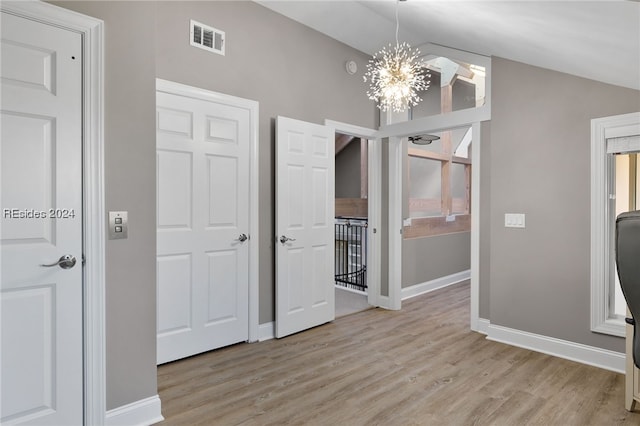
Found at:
<point>284,239</point>
<point>242,238</point>
<point>65,262</point>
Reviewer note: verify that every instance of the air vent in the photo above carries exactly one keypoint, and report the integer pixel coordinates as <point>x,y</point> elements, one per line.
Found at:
<point>207,38</point>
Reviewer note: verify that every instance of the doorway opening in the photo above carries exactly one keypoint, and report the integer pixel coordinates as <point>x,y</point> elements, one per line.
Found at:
<point>351,224</point>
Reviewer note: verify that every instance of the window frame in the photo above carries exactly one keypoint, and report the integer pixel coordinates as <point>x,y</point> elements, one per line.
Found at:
<point>603,318</point>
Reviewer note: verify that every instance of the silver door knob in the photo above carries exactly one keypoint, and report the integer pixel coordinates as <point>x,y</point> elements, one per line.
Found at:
<point>65,262</point>
<point>284,239</point>
<point>242,238</point>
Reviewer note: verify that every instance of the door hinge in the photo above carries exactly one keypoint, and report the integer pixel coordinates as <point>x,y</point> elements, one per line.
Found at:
<point>84,260</point>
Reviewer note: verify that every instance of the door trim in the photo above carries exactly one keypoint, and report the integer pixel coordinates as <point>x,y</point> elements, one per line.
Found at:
<point>395,209</point>
<point>396,156</point>
<point>252,106</point>
<point>91,30</point>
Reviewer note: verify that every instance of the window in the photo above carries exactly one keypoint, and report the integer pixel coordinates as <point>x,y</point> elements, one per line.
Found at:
<point>615,142</point>
<point>461,82</point>
<point>627,198</point>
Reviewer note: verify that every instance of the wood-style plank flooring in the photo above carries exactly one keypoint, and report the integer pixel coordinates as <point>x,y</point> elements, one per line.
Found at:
<point>418,366</point>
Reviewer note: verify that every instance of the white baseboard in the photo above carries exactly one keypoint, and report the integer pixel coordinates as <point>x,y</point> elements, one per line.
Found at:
<point>140,413</point>
<point>426,287</point>
<point>483,326</point>
<point>267,331</point>
<point>590,355</point>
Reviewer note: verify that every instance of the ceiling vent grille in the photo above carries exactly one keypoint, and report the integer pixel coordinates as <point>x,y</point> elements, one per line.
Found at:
<point>207,38</point>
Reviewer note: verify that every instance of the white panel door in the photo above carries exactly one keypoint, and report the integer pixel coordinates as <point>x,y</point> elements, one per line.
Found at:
<point>203,220</point>
<point>41,221</point>
<point>305,213</point>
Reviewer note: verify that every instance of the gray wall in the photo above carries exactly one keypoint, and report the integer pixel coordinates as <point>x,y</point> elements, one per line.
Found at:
<point>540,166</point>
<point>290,69</point>
<point>538,154</point>
<point>348,171</point>
<point>425,259</point>
<point>130,184</point>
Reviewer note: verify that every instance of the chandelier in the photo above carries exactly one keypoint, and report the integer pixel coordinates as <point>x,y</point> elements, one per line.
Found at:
<point>396,75</point>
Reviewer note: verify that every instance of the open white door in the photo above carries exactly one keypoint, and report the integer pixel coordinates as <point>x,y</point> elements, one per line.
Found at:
<point>305,192</point>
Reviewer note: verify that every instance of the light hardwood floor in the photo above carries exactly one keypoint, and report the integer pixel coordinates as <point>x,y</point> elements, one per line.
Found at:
<point>348,302</point>
<point>418,366</point>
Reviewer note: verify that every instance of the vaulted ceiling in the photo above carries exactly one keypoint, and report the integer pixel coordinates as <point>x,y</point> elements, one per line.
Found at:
<point>599,40</point>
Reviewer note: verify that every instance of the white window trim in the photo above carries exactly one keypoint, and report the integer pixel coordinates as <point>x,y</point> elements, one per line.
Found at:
<point>602,320</point>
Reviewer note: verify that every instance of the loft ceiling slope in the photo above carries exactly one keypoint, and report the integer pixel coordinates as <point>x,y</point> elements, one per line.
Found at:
<point>599,40</point>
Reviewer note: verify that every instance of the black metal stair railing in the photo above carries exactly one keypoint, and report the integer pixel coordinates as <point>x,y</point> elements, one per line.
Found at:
<point>351,253</point>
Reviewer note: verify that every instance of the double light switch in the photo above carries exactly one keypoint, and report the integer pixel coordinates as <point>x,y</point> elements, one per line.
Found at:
<point>118,226</point>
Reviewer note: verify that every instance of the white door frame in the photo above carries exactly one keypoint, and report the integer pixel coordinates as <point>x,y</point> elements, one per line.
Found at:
<point>395,214</point>
<point>254,175</point>
<point>374,184</point>
<point>398,126</point>
<point>91,30</point>
<point>394,298</point>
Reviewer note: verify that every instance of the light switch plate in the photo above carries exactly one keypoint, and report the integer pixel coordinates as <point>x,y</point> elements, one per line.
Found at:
<point>118,225</point>
<point>514,220</point>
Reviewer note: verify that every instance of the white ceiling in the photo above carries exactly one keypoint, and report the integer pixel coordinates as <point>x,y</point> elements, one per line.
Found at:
<point>599,40</point>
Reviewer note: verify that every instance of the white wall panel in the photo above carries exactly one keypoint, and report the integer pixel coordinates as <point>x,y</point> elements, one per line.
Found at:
<point>223,191</point>
<point>175,189</point>
<point>29,66</point>
<point>28,340</point>
<point>27,157</point>
<point>223,278</point>
<point>175,122</point>
<point>175,289</point>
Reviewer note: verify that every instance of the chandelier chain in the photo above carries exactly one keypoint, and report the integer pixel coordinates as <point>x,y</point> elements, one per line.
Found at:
<point>397,22</point>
